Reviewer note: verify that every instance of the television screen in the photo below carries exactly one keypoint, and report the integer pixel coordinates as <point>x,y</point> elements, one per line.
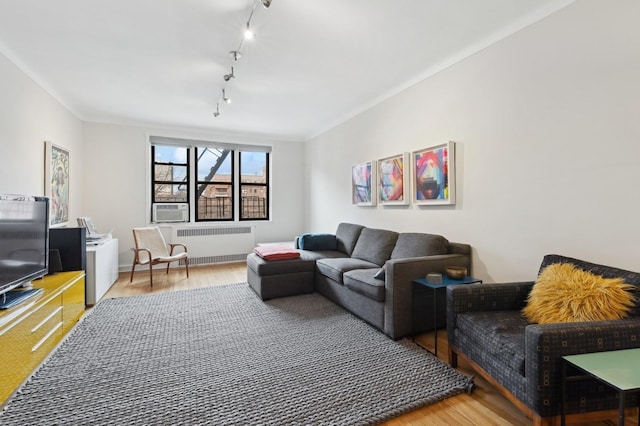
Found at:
<point>24,239</point>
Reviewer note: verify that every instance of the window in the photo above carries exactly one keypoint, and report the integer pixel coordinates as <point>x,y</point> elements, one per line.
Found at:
<point>220,191</point>
<point>214,188</point>
<point>254,185</point>
<point>170,175</point>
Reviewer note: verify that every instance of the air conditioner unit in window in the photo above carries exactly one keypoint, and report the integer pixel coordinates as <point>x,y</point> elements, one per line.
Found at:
<point>170,212</point>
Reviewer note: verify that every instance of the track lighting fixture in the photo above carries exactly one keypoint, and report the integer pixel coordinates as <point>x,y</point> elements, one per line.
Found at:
<point>228,77</point>
<point>248,33</point>
<point>237,54</point>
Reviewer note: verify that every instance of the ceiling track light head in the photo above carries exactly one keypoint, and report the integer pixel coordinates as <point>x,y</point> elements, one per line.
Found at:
<point>236,54</point>
<point>228,77</point>
<point>248,33</point>
<point>224,97</point>
<point>266,3</point>
<point>217,111</point>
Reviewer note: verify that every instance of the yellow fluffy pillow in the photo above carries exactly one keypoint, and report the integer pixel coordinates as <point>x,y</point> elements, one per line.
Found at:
<point>564,293</point>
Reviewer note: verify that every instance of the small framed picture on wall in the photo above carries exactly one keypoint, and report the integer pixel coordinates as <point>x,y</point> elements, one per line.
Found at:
<point>56,184</point>
<point>434,175</point>
<point>363,184</point>
<point>393,180</point>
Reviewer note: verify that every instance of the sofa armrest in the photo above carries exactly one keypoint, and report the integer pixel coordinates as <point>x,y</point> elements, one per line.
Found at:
<point>484,297</point>
<point>398,289</point>
<point>547,343</point>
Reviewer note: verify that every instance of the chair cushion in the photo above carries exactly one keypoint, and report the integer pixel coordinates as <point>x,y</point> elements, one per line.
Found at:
<point>375,245</point>
<point>172,258</point>
<point>501,333</point>
<point>363,281</point>
<point>335,268</point>
<point>418,245</point>
<point>150,238</point>
<point>564,293</point>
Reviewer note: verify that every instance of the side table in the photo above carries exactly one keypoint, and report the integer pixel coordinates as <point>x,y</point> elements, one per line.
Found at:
<point>424,284</point>
<point>619,370</point>
<point>102,269</point>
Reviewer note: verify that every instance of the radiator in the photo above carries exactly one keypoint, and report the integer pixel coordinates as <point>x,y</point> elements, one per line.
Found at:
<point>219,244</point>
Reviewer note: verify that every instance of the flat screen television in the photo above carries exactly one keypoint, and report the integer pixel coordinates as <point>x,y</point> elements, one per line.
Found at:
<point>24,240</point>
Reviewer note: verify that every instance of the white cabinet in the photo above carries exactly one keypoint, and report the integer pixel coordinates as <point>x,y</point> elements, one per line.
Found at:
<point>102,269</point>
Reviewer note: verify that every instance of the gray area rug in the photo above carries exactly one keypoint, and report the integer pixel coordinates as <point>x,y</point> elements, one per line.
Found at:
<point>221,356</point>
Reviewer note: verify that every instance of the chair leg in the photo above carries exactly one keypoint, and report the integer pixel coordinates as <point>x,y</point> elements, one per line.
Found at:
<point>151,273</point>
<point>168,263</point>
<point>133,268</point>
<point>186,265</point>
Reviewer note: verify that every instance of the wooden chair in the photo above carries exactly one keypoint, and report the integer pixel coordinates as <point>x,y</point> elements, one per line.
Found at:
<point>152,249</point>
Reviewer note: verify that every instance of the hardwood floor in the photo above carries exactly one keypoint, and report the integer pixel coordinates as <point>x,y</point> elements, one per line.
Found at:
<point>199,276</point>
<point>485,406</point>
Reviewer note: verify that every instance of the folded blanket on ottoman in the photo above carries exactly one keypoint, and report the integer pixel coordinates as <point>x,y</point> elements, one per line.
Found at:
<point>277,252</point>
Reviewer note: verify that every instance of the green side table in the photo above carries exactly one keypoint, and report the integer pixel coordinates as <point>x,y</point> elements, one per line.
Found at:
<point>619,370</point>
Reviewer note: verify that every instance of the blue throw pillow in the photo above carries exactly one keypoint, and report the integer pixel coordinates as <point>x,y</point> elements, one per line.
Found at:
<point>317,242</point>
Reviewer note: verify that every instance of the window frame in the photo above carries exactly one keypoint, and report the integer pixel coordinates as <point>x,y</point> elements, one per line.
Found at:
<point>155,182</point>
<point>266,185</point>
<point>192,181</point>
<point>198,182</point>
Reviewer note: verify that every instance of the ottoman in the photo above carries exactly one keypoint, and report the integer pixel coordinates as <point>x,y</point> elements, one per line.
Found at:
<point>280,278</point>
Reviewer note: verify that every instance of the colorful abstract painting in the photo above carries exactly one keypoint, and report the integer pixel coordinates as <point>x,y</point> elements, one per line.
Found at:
<point>434,175</point>
<point>363,184</point>
<point>392,182</point>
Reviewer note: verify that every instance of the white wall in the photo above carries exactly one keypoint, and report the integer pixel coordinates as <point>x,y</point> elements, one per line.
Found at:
<point>28,117</point>
<point>547,131</point>
<point>108,178</point>
<point>117,180</point>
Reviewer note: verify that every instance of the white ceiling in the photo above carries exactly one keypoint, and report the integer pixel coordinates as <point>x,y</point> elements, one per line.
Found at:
<point>312,65</point>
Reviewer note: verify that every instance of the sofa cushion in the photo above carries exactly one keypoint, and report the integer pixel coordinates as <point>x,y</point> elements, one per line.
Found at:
<point>321,254</point>
<point>347,235</point>
<point>363,281</point>
<point>335,268</point>
<point>565,293</point>
<point>375,245</point>
<point>501,333</point>
<point>411,244</point>
<point>317,242</point>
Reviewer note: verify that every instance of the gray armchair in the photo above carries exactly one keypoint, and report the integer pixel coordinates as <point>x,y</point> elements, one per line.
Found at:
<point>485,327</point>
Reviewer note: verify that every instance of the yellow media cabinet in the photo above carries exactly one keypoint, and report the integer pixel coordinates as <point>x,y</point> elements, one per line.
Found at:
<point>30,330</point>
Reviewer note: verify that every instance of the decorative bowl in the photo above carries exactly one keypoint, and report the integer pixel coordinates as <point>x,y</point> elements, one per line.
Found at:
<point>456,272</point>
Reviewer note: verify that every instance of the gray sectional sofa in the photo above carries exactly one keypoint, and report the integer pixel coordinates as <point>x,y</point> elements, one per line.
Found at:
<point>365,270</point>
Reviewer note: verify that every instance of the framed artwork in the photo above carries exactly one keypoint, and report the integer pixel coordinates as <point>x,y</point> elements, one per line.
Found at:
<point>393,182</point>
<point>56,183</point>
<point>363,184</point>
<point>434,175</point>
